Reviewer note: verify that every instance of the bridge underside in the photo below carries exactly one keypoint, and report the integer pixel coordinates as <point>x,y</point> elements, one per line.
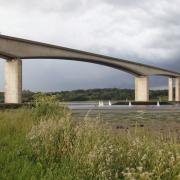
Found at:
<point>14,49</point>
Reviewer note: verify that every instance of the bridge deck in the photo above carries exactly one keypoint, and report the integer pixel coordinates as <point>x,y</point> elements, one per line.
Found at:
<point>12,48</point>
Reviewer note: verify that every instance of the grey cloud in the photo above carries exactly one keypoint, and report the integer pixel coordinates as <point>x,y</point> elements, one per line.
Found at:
<point>137,30</point>
<point>125,3</point>
<point>46,6</point>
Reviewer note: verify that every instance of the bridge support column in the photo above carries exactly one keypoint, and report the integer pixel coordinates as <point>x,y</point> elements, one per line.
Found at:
<point>142,88</point>
<point>13,81</point>
<point>178,89</point>
<point>171,89</point>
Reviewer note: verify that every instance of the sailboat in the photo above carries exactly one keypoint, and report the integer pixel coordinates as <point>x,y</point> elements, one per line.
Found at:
<point>158,103</point>
<point>101,103</point>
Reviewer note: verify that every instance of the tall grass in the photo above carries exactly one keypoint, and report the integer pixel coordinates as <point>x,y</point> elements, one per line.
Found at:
<point>43,144</point>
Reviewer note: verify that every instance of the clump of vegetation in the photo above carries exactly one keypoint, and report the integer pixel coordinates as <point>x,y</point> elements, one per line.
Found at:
<point>47,106</point>
<point>52,139</point>
<point>98,153</point>
<point>57,147</point>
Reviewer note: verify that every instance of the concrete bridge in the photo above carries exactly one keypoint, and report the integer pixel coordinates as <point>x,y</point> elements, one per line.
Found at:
<point>14,50</point>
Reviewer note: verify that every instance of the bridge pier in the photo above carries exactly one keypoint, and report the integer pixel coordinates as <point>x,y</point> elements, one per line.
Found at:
<point>142,88</point>
<point>171,89</point>
<point>13,81</point>
<point>177,95</point>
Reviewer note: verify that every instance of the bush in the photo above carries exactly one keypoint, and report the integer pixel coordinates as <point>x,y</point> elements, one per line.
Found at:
<point>90,150</point>
<point>57,147</point>
<point>52,139</point>
<point>48,106</point>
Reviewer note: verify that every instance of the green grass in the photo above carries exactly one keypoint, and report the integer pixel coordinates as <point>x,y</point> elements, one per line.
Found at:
<point>42,144</point>
<point>15,160</point>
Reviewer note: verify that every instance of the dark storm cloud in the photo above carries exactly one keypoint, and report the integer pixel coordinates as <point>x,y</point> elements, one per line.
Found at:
<point>137,30</point>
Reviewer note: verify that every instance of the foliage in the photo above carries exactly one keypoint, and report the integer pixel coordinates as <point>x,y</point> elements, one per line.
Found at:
<point>107,94</point>
<point>57,147</point>
<point>1,97</point>
<point>94,95</point>
<point>47,106</point>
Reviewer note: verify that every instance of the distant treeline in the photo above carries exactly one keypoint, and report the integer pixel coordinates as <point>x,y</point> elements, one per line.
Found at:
<point>95,94</point>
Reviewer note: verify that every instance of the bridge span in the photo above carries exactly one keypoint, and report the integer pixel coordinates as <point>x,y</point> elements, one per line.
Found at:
<point>14,50</point>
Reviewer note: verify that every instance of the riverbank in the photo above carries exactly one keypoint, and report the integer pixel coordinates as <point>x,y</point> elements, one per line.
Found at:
<point>50,142</point>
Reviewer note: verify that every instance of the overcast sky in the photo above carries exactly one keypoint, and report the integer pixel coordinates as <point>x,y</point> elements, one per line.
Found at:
<point>146,31</point>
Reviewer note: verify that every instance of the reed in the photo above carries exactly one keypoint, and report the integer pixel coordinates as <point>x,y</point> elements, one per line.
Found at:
<point>41,144</point>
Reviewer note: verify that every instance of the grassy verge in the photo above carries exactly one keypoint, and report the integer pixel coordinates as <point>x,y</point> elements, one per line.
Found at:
<point>45,143</point>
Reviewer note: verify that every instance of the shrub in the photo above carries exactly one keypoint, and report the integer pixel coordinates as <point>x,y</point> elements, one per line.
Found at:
<point>90,149</point>
<point>48,106</point>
